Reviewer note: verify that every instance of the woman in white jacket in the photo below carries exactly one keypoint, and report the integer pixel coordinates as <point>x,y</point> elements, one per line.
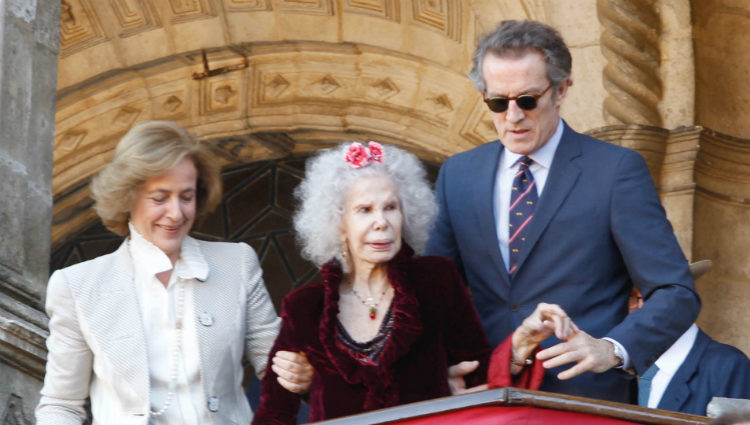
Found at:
<point>156,332</point>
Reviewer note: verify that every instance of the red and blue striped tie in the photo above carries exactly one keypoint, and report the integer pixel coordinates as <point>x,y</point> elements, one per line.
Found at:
<point>523,200</point>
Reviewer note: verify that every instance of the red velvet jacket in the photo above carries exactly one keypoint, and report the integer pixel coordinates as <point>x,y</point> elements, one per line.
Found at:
<point>435,326</point>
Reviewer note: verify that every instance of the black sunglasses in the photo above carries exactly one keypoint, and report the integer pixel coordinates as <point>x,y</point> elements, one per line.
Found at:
<point>526,102</point>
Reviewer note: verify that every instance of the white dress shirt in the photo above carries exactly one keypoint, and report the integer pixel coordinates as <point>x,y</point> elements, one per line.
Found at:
<point>158,305</point>
<point>669,362</point>
<point>506,171</point>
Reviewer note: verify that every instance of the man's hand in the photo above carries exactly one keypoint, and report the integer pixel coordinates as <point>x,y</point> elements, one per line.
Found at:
<point>456,380</point>
<point>547,319</point>
<point>294,372</point>
<point>589,354</point>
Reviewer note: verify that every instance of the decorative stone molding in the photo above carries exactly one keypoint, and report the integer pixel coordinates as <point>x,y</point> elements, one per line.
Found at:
<point>386,9</point>
<point>441,15</point>
<point>80,27</point>
<point>630,43</point>
<point>22,343</point>
<point>135,17</point>
<point>723,168</point>
<point>190,10</point>
<point>315,7</point>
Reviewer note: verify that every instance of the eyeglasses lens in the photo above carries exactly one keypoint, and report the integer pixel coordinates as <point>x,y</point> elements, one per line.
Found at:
<point>526,102</point>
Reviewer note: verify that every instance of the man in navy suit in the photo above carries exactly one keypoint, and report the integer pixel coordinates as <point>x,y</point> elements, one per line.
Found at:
<point>694,370</point>
<point>591,224</point>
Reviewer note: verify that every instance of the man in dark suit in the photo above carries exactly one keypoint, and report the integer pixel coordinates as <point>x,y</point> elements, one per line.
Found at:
<point>694,369</point>
<point>546,214</point>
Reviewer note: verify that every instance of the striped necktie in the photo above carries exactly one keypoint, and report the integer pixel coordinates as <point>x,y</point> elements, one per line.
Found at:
<point>523,198</point>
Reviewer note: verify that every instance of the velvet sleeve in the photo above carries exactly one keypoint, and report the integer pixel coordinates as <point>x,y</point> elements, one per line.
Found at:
<point>277,405</point>
<point>464,335</point>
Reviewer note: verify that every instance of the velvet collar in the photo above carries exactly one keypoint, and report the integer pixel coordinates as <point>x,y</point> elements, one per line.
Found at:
<point>378,379</point>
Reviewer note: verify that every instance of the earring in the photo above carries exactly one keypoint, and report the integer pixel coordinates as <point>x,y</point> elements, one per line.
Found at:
<point>344,249</point>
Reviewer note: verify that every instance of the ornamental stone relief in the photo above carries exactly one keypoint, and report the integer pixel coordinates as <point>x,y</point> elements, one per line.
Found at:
<point>247,5</point>
<point>79,27</point>
<point>387,9</point>
<point>441,15</point>
<point>311,7</point>
<point>135,16</point>
<point>188,10</point>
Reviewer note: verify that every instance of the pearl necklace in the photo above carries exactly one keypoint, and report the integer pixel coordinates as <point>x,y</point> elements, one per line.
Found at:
<point>175,353</point>
<point>370,302</point>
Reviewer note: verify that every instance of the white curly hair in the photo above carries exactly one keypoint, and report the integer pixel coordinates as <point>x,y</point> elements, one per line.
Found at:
<point>321,197</point>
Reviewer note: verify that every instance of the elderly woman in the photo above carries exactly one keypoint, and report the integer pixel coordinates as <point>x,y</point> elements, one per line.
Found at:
<point>383,326</point>
<point>156,332</point>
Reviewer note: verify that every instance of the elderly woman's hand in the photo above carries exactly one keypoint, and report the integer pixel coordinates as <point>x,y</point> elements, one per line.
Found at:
<point>547,319</point>
<point>294,372</point>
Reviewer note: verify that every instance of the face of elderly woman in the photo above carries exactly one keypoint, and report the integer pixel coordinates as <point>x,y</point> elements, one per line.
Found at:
<point>372,220</point>
<point>164,208</point>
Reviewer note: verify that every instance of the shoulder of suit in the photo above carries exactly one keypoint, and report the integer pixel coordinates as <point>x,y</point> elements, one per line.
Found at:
<point>725,352</point>
<point>103,262</point>
<point>223,248</point>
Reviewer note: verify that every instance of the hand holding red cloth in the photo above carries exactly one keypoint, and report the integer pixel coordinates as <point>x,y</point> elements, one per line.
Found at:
<point>499,374</point>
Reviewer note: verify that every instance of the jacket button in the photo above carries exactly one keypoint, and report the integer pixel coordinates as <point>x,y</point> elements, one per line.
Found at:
<point>206,319</point>
<point>515,307</point>
<point>213,404</point>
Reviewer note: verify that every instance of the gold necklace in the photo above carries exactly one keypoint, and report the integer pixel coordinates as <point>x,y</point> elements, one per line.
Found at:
<point>370,302</point>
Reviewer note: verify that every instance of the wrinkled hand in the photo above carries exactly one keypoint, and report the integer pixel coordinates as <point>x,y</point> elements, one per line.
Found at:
<point>294,372</point>
<point>547,319</point>
<point>589,354</point>
<point>456,380</point>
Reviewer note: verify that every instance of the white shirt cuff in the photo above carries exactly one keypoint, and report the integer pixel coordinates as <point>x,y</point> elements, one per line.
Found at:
<point>626,358</point>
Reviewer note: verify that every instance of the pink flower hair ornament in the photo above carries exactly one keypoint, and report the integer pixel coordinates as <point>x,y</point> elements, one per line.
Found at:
<point>359,156</point>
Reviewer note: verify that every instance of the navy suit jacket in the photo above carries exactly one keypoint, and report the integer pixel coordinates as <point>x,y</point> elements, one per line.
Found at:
<point>711,369</point>
<point>598,229</point>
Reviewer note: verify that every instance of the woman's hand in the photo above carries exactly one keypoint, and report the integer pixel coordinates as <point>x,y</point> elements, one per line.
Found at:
<point>547,319</point>
<point>294,372</point>
<point>456,380</point>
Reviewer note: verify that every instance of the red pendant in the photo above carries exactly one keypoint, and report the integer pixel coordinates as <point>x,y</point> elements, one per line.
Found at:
<point>373,313</point>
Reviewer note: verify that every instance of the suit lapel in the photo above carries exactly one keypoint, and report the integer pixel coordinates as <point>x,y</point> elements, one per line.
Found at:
<point>678,389</point>
<point>117,323</point>
<point>562,176</point>
<point>484,194</point>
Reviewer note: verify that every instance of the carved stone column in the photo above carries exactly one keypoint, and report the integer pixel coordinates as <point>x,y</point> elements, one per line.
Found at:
<point>631,31</point>
<point>29,38</point>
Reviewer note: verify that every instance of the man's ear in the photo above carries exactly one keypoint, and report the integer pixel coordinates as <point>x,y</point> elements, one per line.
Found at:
<point>562,91</point>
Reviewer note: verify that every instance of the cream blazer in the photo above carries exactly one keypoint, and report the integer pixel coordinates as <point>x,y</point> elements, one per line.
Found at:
<point>97,348</point>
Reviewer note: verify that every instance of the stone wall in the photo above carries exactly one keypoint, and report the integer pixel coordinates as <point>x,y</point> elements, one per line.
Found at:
<point>28,63</point>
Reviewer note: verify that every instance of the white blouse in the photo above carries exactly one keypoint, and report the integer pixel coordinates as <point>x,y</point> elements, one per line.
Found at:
<point>158,307</point>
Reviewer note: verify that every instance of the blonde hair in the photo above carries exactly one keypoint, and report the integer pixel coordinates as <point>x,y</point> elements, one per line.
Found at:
<point>149,150</point>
